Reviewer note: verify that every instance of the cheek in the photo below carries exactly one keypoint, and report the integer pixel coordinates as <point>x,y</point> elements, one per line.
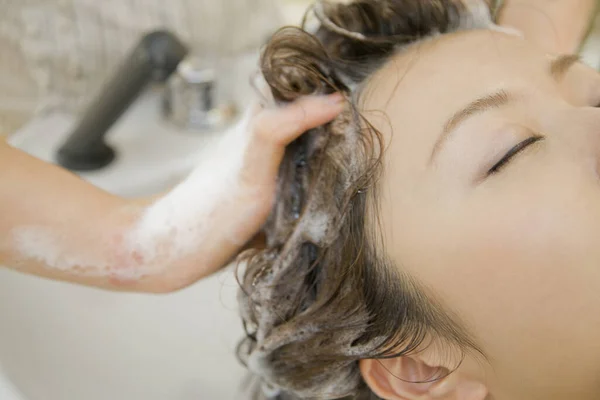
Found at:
<point>536,247</point>
<point>523,271</point>
<point>530,265</point>
<point>536,278</point>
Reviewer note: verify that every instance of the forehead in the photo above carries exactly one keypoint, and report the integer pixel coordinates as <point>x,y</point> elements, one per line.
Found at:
<point>420,88</point>
<point>472,59</point>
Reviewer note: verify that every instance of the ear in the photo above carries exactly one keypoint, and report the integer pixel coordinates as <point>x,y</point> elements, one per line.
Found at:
<point>398,379</point>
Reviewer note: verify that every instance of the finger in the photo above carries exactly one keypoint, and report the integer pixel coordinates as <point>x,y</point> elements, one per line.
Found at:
<point>283,125</point>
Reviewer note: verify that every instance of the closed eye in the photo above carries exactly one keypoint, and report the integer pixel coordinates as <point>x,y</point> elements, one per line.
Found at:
<point>509,156</point>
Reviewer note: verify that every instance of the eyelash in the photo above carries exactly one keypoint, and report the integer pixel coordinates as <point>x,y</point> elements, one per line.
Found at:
<point>512,153</point>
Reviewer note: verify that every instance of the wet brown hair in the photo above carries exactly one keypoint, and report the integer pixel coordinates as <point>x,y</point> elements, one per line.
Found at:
<point>322,295</point>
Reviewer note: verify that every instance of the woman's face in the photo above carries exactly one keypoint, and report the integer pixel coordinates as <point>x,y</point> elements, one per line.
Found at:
<point>491,198</point>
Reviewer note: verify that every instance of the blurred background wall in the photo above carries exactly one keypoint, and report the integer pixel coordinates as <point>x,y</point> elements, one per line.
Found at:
<point>55,53</point>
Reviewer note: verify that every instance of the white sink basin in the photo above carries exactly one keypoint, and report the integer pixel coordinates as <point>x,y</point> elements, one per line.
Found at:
<point>7,389</point>
<point>62,342</point>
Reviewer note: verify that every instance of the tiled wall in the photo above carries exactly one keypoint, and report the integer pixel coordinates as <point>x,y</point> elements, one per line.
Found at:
<point>55,53</point>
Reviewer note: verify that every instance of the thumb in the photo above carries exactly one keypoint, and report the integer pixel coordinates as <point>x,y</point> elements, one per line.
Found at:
<point>273,129</point>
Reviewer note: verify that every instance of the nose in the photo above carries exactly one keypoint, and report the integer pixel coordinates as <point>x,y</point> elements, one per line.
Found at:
<point>577,130</point>
<point>576,127</point>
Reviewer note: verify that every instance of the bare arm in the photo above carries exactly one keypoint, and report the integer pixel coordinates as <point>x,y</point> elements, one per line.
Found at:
<point>559,26</point>
<point>38,199</point>
<point>55,225</point>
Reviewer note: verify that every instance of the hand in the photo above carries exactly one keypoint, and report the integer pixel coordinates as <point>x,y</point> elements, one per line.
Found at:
<point>220,207</point>
<point>270,131</point>
<point>55,225</point>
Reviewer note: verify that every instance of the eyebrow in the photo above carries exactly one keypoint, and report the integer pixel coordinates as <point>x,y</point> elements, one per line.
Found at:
<point>488,102</point>
<point>558,69</point>
<point>561,65</point>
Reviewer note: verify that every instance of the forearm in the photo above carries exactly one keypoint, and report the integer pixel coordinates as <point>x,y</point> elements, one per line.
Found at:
<point>559,26</point>
<point>52,223</point>
<point>55,225</point>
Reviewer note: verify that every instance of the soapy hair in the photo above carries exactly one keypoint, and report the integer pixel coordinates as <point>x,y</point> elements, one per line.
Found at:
<point>322,295</point>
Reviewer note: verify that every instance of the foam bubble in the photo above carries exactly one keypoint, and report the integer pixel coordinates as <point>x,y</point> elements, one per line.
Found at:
<point>171,228</point>
<point>184,217</point>
<point>52,249</point>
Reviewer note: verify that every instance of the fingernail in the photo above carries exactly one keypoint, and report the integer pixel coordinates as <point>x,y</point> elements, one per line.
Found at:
<point>336,98</point>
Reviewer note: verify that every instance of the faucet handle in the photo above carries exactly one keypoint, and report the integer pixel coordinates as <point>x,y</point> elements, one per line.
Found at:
<point>155,58</point>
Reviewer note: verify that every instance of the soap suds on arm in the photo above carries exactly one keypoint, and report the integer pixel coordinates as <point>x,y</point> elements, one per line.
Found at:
<point>172,228</point>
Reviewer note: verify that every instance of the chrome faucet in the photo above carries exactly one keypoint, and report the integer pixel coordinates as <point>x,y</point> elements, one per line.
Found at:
<point>192,99</point>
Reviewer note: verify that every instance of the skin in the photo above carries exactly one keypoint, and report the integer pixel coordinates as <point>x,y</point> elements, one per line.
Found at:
<point>558,26</point>
<point>513,254</point>
<point>522,245</point>
<point>30,190</point>
<point>91,226</point>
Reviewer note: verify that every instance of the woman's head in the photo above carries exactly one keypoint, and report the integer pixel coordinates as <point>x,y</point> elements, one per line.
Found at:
<point>440,236</point>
